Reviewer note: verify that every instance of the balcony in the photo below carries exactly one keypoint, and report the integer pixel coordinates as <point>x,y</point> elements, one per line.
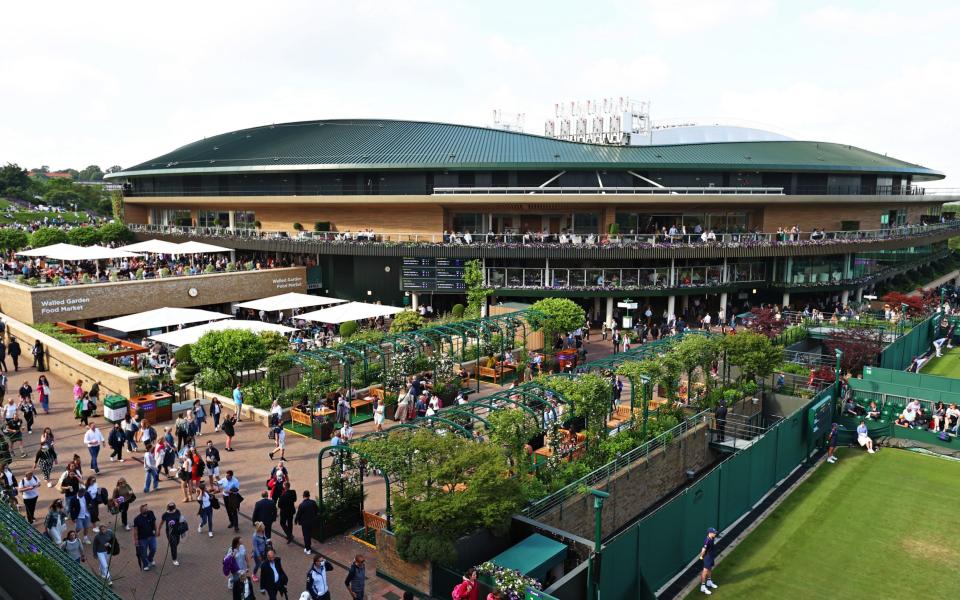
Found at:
<point>573,245</point>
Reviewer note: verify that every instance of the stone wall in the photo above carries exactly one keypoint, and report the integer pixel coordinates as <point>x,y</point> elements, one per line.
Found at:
<point>416,576</point>
<point>637,487</point>
<point>70,363</point>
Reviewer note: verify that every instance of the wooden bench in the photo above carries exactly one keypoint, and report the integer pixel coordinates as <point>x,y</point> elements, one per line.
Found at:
<point>373,522</point>
<point>300,417</point>
<point>377,392</point>
<point>490,373</point>
<point>620,416</point>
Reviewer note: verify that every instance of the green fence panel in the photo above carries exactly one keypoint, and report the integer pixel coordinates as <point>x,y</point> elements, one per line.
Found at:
<point>701,503</point>
<point>763,465</point>
<point>790,444</point>
<point>619,572</point>
<point>734,488</point>
<point>661,543</point>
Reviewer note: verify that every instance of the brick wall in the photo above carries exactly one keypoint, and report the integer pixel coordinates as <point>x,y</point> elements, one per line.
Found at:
<point>829,217</point>
<point>413,575</point>
<point>637,487</point>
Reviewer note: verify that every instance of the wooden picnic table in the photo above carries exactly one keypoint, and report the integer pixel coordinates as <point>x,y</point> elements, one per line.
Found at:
<point>360,402</point>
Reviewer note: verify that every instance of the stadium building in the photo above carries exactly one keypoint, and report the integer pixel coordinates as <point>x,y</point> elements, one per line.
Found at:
<point>392,209</point>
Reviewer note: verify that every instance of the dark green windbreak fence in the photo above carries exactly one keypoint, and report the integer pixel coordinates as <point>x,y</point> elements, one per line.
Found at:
<point>901,352</point>
<point>645,556</point>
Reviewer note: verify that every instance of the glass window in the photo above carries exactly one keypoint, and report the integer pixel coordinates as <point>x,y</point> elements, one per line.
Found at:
<point>244,219</point>
<point>472,222</point>
<point>585,222</point>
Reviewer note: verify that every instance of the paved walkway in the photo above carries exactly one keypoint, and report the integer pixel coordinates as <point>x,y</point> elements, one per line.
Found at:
<point>199,573</point>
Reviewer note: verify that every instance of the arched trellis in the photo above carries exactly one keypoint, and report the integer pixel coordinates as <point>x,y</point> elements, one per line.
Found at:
<point>325,355</point>
<point>347,449</point>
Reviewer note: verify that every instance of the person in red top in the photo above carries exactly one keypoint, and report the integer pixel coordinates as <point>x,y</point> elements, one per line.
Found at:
<point>467,589</point>
<point>195,474</point>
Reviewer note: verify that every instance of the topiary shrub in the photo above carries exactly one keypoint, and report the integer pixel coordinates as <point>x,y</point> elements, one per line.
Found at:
<point>457,311</point>
<point>248,265</point>
<point>231,267</point>
<point>298,226</point>
<point>210,269</point>
<point>348,328</point>
<point>140,273</point>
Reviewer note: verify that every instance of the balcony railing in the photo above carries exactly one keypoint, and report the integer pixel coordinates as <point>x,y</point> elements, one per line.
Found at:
<point>624,279</point>
<point>576,191</point>
<point>569,240</point>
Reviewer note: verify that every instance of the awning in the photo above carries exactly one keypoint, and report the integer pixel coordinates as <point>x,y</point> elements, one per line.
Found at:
<point>352,311</point>
<point>200,248</point>
<point>190,335</point>
<point>161,317</point>
<point>71,252</point>
<point>289,301</point>
<point>153,247</point>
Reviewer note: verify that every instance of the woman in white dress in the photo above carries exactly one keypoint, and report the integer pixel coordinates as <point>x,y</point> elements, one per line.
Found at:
<point>378,415</point>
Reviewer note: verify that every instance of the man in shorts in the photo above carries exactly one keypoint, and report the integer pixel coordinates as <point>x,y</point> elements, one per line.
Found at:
<point>832,443</point>
<point>708,556</point>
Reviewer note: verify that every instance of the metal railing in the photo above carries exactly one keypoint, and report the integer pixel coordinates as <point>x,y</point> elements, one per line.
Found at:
<point>626,279</point>
<point>576,191</point>
<point>568,240</point>
<point>548,503</point>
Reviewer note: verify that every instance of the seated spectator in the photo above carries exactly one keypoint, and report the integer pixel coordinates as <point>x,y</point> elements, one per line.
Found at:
<point>863,437</point>
<point>914,413</point>
<point>901,421</point>
<point>939,418</point>
<point>953,418</point>
<point>851,408</point>
<point>873,412</point>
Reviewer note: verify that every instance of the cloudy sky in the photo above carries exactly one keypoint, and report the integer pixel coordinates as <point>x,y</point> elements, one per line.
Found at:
<point>120,82</point>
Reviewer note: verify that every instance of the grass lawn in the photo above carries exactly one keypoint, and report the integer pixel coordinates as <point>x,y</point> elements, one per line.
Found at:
<point>870,526</point>
<point>947,365</point>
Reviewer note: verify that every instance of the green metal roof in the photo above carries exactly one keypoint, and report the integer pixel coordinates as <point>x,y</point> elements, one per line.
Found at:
<point>374,144</point>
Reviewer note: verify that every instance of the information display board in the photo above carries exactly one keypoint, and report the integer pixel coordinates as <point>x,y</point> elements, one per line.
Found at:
<point>432,275</point>
<point>819,416</point>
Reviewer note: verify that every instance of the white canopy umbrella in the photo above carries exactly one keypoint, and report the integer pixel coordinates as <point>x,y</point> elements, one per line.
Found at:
<point>161,317</point>
<point>153,247</point>
<point>288,301</point>
<point>101,252</point>
<point>352,311</point>
<point>54,251</point>
<point>190,335</point>
<point>200,248</point>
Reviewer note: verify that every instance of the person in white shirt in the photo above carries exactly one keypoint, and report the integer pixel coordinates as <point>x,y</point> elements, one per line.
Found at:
<point>93,439</point>
<point>206,509</point>
<point>280,437</point>
<point>29,485</point>
<point>10,409</point>
<point>346,432</point>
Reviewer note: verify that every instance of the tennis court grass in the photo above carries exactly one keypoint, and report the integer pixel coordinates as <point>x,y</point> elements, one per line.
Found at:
<point>947,365</point>
<point>868,527</point>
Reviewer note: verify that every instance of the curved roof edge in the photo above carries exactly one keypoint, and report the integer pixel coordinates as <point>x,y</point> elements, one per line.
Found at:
<point>385,144</point>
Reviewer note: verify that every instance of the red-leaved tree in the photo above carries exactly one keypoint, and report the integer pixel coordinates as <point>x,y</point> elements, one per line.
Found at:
<point>764,321</point>
<point>860,346</point>
<point>916,305</point>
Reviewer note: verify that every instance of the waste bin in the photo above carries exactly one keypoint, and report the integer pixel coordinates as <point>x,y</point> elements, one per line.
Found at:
<point>115,408</point>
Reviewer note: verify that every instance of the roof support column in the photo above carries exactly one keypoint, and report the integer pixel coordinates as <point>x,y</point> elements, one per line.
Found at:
<point>845,297</point>
<point>609,317</point>
<point>414,300</point>
<point>786,300</point>
<point>671,307</point>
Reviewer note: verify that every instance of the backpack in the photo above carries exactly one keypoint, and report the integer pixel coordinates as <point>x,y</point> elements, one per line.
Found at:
<point>462,591</point>
<point>230,564</point>
<point>200,468</point>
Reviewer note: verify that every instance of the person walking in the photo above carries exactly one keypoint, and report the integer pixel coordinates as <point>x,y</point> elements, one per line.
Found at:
<point>44,461</point>
<point>280,438</point>
<point>306,518</point>
<point>104,547</point>
<point>206,501</point>
<point>93,439</point>
<point>115,440</point>
<point>39,353</point>
<point>122,497</point>
<point>211,459</point>
<point>467,588</point>
<point>130,429</point>
<point>356,580</point>
<point>229,430</point>
<point>708,556</point>
<point>28,488</point>
<point>56,522</point>
<point>259,549</point>
<point>317,584</point>
<point>182,427</point>
<point>14,350</point>
<point>73,546</point>
<point>27,408</point>
<point>13,428</point>
<point>230,486</point>
<point>3,355</point>
<point>216,409</point>
<point>145,536</point>
<point>94,396</point>
<point>199,416</point>
<point>43,389</point>
<point>237,401</point>
<point>287,504</point>
<point>150,471</point>
<point>265,511</point>
<point>272,577</point>
<point>173,525</point>
<point>86,408</point>
<point>243,587</point>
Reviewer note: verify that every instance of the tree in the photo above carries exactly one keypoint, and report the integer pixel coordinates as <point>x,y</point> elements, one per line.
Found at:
<point>91,173</point>
<point>186,368</point>
<point>477,292</point>
<point>13,239</point>
<point>83,236</point>
<point>697,351</point>
<point>115,233</point>
<point>274,342</point>
<point>860,346</point>
<point>228,352</point>
<point>47,236</point>
<point>765,321</point>
<point>553,316</point>
<point>915,304</point>
<point>591,396</point>
<point>348,328</point>
<point>407,320</point>
<point>512,430</point>
<point>753,353</point>
<point>114,169</point>
<point>14,182</point>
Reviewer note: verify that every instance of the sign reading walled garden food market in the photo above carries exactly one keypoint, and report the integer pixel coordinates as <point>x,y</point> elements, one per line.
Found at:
<point>100,300</point>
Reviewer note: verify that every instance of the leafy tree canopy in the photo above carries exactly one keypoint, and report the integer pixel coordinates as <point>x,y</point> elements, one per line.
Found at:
<point>477,292</point>
<point>753,353</point>
<point>13,239</point>
<point>555,315</point>
<point>46,236</point>
<point>91,173</point>
<point>115,233</point>
<point>229,351</point>
<point>407,320</point>
<point>83,236</point>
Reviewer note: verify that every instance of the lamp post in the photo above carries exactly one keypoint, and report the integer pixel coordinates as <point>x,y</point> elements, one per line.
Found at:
<point>598,498</point>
